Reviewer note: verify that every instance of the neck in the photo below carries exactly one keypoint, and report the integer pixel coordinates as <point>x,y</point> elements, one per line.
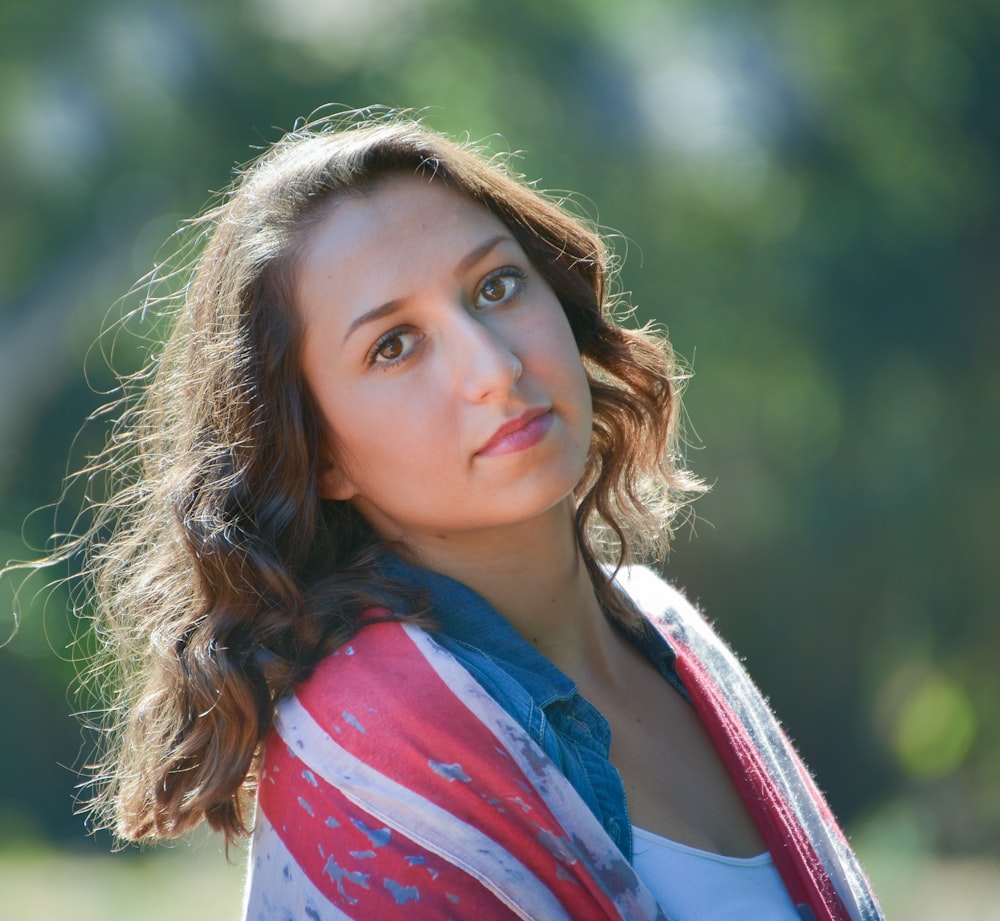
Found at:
<point>534,575</point>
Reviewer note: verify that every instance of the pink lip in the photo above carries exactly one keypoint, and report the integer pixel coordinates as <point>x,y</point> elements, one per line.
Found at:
<point>519,434</point>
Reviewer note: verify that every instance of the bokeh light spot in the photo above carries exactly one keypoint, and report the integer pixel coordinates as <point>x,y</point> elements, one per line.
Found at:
<point>934,729</point>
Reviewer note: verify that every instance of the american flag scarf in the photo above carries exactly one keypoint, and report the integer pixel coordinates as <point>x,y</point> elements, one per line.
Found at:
<point>393,785</point>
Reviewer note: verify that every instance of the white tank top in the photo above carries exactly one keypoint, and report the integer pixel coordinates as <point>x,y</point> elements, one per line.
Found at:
<point>695,885</point>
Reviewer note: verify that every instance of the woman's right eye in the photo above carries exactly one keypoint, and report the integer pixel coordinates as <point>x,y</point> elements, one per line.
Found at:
<point>393,347</point>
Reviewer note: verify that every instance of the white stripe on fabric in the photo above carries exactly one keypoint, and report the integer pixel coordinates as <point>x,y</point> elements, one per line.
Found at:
<point>434,828</point>
<point>605,862</point>
<point>277,888</point>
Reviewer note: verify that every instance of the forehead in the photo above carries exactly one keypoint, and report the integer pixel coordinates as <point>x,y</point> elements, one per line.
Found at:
<point>395,207</point>
<point>367,244</point>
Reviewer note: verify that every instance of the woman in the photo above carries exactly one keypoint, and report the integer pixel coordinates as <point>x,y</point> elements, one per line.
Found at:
<point>372,573</point>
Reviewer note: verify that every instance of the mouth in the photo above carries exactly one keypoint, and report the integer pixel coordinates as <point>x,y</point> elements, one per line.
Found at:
<point>518,434</point>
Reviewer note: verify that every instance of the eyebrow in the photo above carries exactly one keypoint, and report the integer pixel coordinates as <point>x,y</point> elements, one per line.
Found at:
<point>464,264</point>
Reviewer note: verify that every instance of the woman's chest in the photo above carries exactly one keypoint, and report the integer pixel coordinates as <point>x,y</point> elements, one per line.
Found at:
<point>675,781</point>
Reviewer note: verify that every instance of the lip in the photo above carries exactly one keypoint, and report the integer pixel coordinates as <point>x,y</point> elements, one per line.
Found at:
<point>518,434</point>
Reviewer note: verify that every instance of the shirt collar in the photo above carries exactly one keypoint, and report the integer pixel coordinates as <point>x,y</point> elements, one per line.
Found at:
<point>466,617</point>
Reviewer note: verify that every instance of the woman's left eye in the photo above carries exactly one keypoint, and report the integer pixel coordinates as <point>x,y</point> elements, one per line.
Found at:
<point>500,286</point>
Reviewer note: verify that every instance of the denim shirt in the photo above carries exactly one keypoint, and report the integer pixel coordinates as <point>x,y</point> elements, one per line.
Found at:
<point>542,699</point>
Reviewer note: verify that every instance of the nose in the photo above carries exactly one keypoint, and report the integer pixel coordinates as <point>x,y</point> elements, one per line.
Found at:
<point>485,365</point>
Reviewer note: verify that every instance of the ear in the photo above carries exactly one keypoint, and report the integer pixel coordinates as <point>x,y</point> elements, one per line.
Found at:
<point>334,482</point>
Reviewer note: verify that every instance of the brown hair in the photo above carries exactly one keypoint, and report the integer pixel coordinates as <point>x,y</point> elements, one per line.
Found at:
<point>226,577</point>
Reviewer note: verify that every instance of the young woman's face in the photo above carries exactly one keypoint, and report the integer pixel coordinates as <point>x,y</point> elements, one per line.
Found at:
<point>442,362</point>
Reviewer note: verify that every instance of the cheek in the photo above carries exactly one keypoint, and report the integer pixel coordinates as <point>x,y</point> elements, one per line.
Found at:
<point>566,360</point>
<point>388,438</point>
<point>547,335</point>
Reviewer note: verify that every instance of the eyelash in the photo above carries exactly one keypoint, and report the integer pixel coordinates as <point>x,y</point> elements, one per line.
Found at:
<point>387,337</point>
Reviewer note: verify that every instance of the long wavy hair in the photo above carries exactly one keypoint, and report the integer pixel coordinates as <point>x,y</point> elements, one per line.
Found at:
<point>217,574</point>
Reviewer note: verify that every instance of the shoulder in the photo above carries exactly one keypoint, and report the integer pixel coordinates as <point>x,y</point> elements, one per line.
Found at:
<point>675,616</point>
<point>390,695</point>
<point>654,596</point>
<point>375,677</point>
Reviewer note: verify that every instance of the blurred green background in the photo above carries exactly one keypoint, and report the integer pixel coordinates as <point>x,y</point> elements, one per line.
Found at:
<point>808,196</point>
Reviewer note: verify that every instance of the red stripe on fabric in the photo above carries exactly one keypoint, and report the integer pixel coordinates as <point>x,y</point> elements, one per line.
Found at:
<point>385,704</point>
<point>794,855</point>
<point>363,868</point>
